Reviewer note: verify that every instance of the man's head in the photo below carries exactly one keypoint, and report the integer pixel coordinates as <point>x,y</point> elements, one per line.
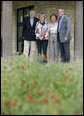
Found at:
<point>60,12</point>
<point>32,13</point>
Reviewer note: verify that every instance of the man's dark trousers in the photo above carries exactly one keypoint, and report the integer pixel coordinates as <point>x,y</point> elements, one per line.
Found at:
<point>65,51</point>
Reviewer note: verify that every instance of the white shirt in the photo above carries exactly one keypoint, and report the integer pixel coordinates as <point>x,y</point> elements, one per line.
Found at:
<point>31,21</point>
<point>53,28</point>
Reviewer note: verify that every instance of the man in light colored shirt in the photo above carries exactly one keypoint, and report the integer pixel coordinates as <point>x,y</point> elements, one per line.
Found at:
<point>60,20</point>
<point>31,21</point>
<point>64,35</point>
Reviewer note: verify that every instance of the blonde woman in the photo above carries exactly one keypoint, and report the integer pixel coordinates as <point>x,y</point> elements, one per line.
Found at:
<point>42,36</point>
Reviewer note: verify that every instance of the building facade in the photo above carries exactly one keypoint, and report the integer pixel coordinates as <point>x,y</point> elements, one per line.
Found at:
<point>14,12</point>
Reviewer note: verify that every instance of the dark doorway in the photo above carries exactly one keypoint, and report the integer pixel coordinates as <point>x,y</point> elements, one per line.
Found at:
<point>21,14</point>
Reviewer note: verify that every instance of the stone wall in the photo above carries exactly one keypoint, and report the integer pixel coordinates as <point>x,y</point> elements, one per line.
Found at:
<point>47,7</point>
<point>79,30</point>
<point>6,29</point>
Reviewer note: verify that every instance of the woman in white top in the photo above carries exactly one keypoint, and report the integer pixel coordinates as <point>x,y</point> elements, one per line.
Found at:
<point>54,47</point>
<point>42,33</point>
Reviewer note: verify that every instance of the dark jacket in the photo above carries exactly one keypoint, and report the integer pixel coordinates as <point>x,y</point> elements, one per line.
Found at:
<point>28,31</point>
<point>65,29</point>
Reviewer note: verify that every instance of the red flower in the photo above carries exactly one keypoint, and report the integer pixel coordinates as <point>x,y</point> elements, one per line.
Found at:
<point>4,112</point>
<point>7,103</point>
<point>55,99</point>
<point>69,77</point>
<point>22,66</point>
<point>77,112</point>
<point>36,82</point>
<point>40,93</point>
<point>6,80</point>
<point>31,88</point>
<point>30,99</point>
<point>44,100</point>
<point>70,68</point>
<point>24,81</point>
<point>14,103</point>
<point>5,67</point>
<point>26,90</point>
<point>80,94</point>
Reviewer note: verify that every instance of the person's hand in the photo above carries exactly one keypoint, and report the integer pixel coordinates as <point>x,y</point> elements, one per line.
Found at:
<point>41,38</point>
<point>65,39</point>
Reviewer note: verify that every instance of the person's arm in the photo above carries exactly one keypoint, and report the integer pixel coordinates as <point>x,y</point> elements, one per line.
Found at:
<point>36,31</point>
<point>47,31</point>
<point>68,28</point>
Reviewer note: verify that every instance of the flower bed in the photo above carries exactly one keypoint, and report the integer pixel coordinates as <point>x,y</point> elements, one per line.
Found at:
<point>37,89</point>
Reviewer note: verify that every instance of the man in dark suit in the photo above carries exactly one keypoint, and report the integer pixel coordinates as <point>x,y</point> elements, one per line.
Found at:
<point>29,34</point>
<point>64,37</point>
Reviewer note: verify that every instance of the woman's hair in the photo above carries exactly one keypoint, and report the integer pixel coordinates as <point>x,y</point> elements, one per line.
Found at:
<point>53,15</point>
<point>42,14</point>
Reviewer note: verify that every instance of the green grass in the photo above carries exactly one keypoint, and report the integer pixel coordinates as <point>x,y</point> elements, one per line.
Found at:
<point>37,89</point>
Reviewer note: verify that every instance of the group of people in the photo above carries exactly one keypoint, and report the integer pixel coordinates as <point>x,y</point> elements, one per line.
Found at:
<point>40,32</point>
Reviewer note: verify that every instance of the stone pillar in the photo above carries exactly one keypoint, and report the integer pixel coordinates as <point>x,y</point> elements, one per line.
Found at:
<point>7,28</point>
<point>78,29</point>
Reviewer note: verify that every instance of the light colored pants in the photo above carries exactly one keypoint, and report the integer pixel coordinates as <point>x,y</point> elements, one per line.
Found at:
<point>32,46</point>
<point>54,47</point>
